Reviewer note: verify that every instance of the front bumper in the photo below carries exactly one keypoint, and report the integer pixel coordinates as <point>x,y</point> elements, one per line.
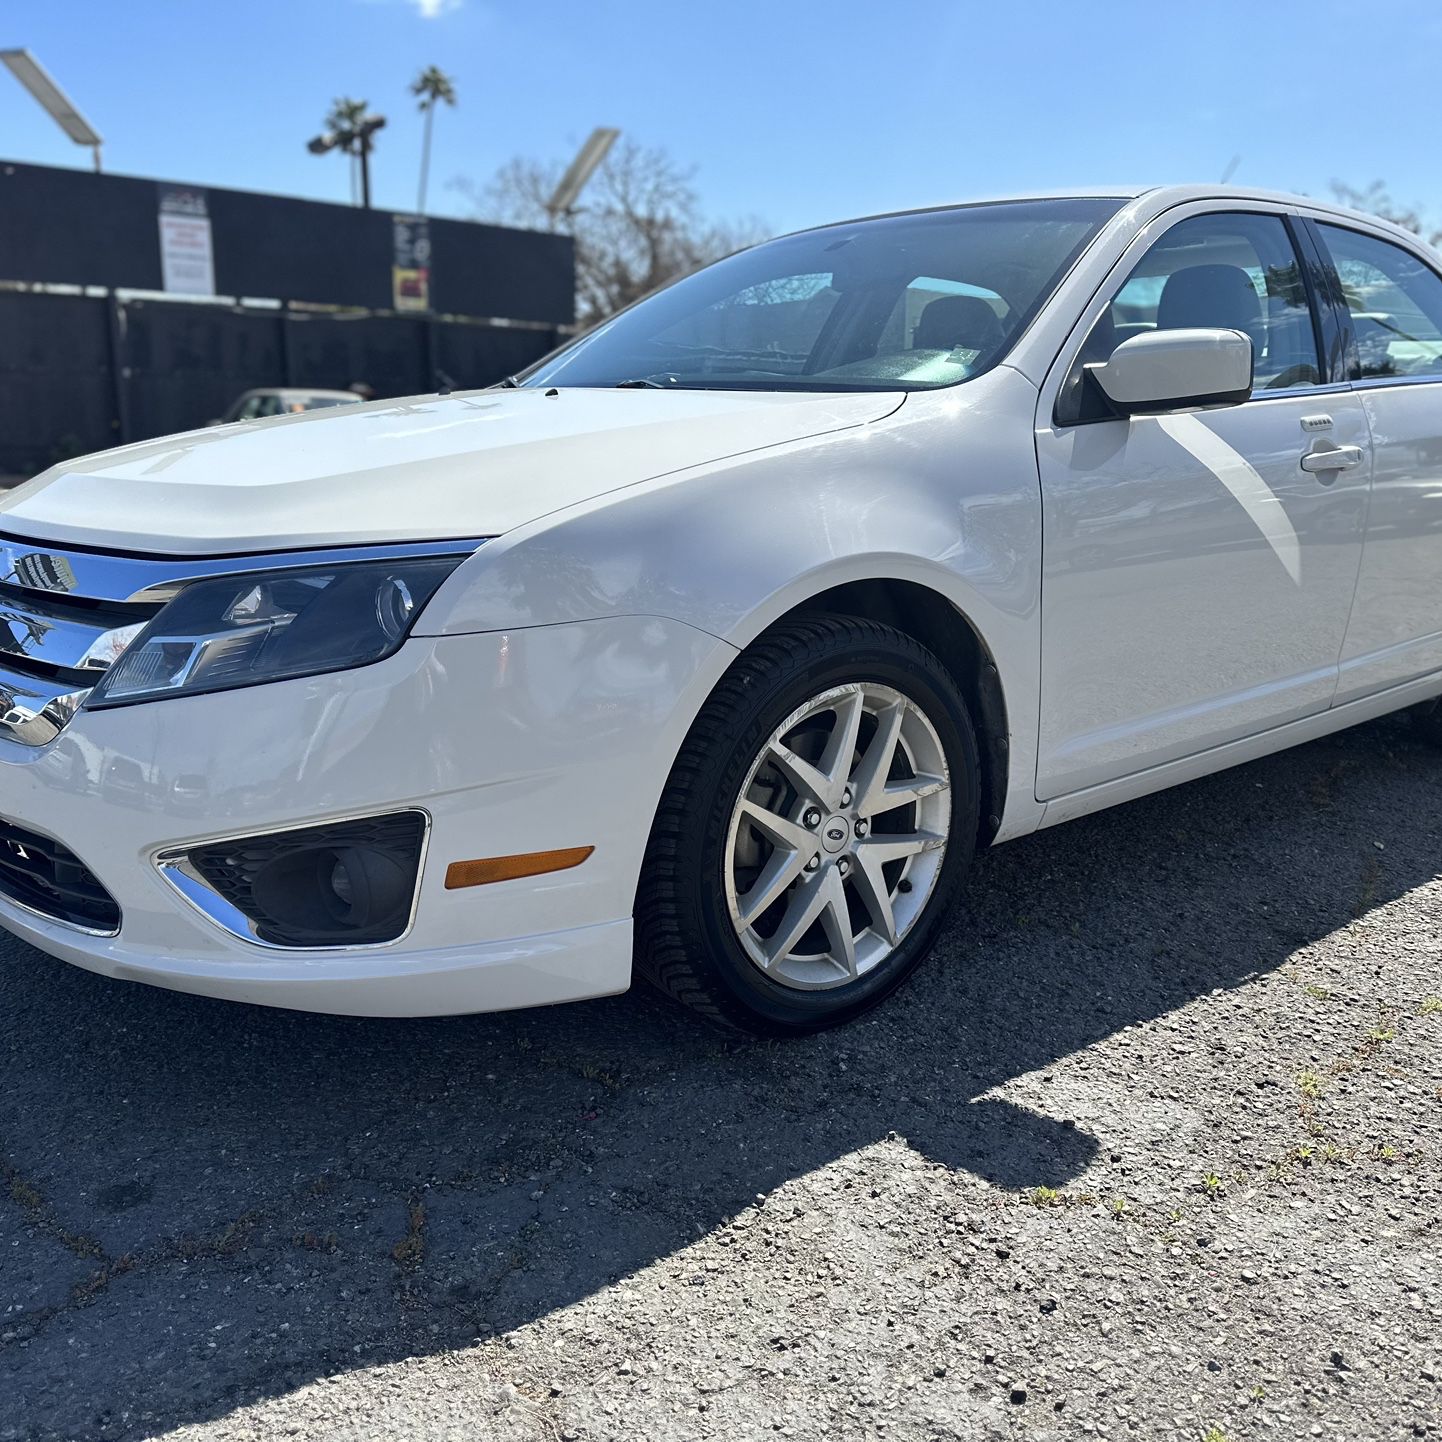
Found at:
<point>532,740</point>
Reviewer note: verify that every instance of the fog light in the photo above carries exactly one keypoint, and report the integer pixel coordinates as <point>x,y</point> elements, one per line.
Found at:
<point>365,885</point>
<point>352,883</point>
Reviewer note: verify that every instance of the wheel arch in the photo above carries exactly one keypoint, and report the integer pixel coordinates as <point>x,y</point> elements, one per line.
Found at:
<point>949,634</point>
<point>928,615</point>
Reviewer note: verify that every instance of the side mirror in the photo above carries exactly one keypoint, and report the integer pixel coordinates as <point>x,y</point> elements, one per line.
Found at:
<point>1163,370</point>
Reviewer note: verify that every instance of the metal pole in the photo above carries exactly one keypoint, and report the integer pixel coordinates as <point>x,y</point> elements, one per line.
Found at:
<point>365,167</point>
<point>426,159</point>
<point>287,355</point>
<point>119,366</point>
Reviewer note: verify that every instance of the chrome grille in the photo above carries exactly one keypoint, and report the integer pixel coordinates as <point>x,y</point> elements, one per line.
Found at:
<point>47,633</point>
<point>55,640</point>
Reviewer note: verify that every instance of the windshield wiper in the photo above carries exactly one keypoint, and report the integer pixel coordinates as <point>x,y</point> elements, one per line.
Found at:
<point>639,385</point>
<point>509,384</point>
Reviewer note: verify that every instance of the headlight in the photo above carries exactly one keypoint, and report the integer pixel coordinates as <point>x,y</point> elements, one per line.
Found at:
<point>242,630</point>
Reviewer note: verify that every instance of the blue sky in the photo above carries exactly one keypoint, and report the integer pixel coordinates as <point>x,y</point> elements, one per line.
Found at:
<point>792,111</point>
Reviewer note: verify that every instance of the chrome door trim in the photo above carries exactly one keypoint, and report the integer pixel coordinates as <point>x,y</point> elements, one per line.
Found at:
<point>1370,383</point>
<point>1365,383</point>
<point>1332,388</point>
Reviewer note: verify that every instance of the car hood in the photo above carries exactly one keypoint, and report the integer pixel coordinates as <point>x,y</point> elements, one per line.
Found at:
<point>428,468</point>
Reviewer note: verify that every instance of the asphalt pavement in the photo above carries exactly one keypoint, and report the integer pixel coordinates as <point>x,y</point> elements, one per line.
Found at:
<point>1151,1148</point>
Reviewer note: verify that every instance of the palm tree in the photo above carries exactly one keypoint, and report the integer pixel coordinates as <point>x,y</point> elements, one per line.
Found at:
<point>345,116</point>
<point>431,85</point>
<point>350,128</point>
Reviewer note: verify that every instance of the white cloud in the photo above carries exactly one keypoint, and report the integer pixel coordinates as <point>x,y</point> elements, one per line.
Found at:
<point>426,9</point>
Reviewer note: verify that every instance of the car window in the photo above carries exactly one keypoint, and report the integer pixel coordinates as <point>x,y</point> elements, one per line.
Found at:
<point>903,302</point>
<point>775,323</point>
<point>1396,304</point>
<point>1235,272</point>
<point>964,322</point>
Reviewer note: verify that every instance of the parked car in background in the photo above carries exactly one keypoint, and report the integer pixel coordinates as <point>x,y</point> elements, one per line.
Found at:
<point>721,638</point>
<point>283,401</point>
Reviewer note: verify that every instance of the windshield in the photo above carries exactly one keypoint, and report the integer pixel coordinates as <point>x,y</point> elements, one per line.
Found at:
<point>905,302</point>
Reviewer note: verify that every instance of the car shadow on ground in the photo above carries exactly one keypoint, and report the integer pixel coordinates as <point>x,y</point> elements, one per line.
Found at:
<point>210,1204</point>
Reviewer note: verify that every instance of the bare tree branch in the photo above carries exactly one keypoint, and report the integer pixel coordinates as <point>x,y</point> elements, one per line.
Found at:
<point>639,227</point>
<point>1376,200</point>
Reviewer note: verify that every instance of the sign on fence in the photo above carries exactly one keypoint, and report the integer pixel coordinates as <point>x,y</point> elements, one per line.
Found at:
<point>411,266</point>
<point>187,259</point>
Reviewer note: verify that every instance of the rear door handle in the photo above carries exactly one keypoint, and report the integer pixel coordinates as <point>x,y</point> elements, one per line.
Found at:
<point>1334,458</point>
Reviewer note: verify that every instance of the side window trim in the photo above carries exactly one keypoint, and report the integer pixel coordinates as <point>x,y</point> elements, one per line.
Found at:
<point>1352,366</point>
<point>1346,360</point>
<point>1330,318</point>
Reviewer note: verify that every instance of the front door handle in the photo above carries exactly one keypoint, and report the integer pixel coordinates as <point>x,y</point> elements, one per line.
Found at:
<point>1333,458</point>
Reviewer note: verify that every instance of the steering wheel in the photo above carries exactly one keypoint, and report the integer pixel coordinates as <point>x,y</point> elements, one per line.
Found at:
<point>1303,373</point>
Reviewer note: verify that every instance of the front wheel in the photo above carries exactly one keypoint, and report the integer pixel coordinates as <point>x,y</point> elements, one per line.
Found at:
<point>814,828</point>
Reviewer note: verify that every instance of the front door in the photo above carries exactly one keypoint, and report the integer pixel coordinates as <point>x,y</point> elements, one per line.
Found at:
<point>1197,577</point>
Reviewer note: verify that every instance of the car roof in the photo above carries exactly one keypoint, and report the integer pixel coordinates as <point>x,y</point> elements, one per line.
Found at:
<point>1165,196</point>
<point>1158,198</point>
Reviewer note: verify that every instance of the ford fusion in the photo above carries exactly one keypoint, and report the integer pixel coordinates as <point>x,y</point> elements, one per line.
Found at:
<point>712,647</point>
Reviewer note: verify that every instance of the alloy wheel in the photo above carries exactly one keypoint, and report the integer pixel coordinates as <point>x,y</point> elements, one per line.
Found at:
<point>837,837</point>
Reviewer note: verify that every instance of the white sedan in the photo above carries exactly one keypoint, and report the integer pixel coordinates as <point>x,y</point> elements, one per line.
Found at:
<point>283,401</point>
<point>713,646</point>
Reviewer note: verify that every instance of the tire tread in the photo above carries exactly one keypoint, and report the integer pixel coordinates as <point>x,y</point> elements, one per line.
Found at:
<point>662,956</point>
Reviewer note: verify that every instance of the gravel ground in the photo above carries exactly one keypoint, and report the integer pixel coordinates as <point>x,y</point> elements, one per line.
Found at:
<point>1151,1148</point>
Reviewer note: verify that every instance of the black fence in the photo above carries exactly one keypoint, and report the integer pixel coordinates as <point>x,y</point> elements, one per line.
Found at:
<point>79,372</point>
<point>75,227</point>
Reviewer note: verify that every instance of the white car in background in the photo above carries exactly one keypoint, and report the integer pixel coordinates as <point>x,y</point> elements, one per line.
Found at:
<point>718,641</point>
<point>257,405</point>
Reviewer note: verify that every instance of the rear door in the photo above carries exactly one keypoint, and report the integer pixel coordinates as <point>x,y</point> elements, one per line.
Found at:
<point>1390,300</point>
<point>1197,577</point>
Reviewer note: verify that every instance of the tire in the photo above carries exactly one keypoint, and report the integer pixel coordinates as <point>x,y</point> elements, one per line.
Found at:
<point>692,939</point>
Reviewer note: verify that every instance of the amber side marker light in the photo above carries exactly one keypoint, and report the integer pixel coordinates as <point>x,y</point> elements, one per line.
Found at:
<point>509,868</point>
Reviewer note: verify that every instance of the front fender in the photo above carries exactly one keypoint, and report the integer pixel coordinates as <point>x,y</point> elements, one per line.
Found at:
<point>943,493</point>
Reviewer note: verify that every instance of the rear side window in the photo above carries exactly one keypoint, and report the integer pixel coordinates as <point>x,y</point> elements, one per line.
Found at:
<point>1396,304</point>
